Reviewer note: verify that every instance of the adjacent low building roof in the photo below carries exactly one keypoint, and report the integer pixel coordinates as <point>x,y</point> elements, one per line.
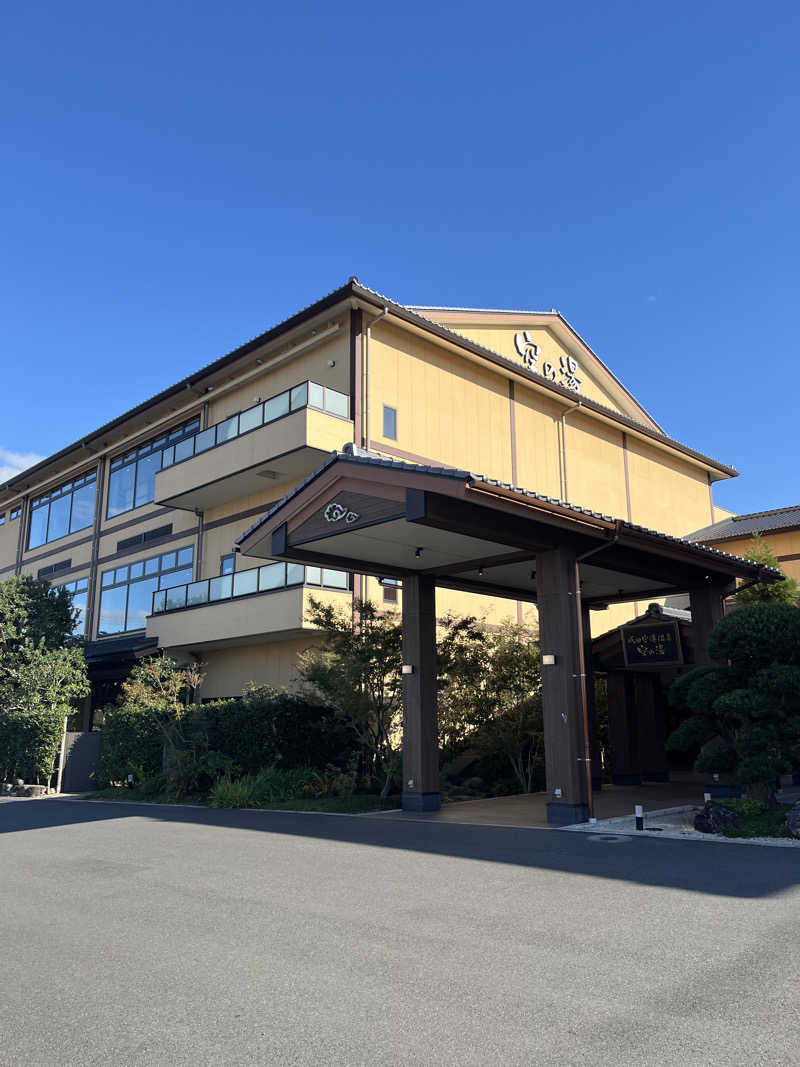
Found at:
<point>757,522</point>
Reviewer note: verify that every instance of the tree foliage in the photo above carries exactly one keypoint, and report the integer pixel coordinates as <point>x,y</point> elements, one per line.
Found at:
<point>744,714</point>
<point>356,670</point>
<point>42,674</point>
<point>784,591</point>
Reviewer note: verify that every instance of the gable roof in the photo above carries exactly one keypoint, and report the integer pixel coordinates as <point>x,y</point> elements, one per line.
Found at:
<point>757,522</point>
<point>565,331</point>
<point>60,462</point>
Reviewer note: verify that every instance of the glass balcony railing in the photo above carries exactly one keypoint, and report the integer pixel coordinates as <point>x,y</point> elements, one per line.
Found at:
<point>307,394</point>
<point>266,579</point>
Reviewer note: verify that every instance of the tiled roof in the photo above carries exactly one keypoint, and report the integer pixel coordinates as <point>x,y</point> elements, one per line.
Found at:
<point>746,525</point>
<point>354,454</point>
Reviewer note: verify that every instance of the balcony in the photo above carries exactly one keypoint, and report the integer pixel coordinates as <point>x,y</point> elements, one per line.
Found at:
<point>275,443</point>
<point>260,604</point>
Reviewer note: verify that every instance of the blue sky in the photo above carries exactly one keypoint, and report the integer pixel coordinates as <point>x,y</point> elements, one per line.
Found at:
<point>180,176</point>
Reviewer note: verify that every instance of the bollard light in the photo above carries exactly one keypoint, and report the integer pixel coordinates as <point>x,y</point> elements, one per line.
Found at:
<point>638,812</point>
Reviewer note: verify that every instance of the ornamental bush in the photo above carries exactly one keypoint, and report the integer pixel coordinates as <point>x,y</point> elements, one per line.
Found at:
<point>744,714</point>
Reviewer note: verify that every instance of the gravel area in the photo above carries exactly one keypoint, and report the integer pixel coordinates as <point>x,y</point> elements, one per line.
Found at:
<point>674,823</point>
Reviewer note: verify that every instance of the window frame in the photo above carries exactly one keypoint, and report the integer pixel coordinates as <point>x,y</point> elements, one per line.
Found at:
<point>58,494</point>
<point>391,414</point>
<point>143,575</point>
<point>145,451</point>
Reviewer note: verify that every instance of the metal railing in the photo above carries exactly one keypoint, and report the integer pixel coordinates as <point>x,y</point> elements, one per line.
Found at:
<point>265,579</point>
<point>307,394</point>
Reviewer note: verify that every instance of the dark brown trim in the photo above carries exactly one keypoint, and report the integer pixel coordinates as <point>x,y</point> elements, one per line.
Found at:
<point>160,509</point>
<point>23,525</point>
<point>627,476</point>
<point>238,516</point>
<point>63,544</point>
<point>512,427</point>
<point>100,489</point>
<point>198,556</point>
<point>356,370</point>
<point>154,548</point>
<point>788,559</point>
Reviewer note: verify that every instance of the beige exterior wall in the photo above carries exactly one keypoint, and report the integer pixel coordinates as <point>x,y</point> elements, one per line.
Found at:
<point>452,409</point>
<point>784,544</point>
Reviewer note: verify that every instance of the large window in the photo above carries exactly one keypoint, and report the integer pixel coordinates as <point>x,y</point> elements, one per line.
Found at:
<point>79,590</point>
<point>62,511</point>
<point>126,593</point>
<point>132,481</point>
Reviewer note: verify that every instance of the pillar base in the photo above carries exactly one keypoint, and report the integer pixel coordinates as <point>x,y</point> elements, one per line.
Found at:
<point>566,814</point>
<point>626,779</point>
<point>421,801</point>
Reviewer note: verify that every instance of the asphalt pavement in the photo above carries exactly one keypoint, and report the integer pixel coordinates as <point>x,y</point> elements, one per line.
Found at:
<point>137,935</point>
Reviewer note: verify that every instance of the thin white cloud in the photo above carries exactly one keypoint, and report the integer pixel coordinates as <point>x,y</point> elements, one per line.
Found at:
<point>13,463</point>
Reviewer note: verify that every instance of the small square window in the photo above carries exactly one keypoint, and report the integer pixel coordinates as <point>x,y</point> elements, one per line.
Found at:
<point>15,514</point>
<point>226,564</point>
<point>389,423</point>
<point>389,590</point>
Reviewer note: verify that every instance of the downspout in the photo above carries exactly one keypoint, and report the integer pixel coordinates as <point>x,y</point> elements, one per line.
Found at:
<point>567,411</point>
<point>365,379</point>
<point>587,747</point>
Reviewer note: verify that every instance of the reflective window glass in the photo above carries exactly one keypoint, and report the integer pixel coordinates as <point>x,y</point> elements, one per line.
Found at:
<point>204,440</point>
<point>112,610</point>
<point>151,565</point>
<point>58,523</point>
<point>250,419</point>
<point>136,569</point>
<point>226,564</point>
<point>82,508</point>
<point>334,579</point>
<point>220,588</point>
<point>227,430</point>
<point>245,582</point>
<point>146,470</point>
<point>273,576</point>
<point>184,449</point>
<point>38,532</point>
<point>197,593</point>
<point>120,490</point>
<point>176,578</point>
<point>140,600</point>
<point>336,403</point>
<point>168,561</point>
<point>299,396</point>
<point>185,555</point>
<point>121,574</point>
<point>313,576</point>
<point>108,578</point>
<point>295,574</point>
<point>159,602</point>
<point>316,395</point>
<point>276,407</point>
<point>176,598</point>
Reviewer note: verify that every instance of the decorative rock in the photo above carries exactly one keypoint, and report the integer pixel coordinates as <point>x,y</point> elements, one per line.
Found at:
<point>716,818</point>
<point>6,787</point>
<point>19,782</point>
<point>793,820</point>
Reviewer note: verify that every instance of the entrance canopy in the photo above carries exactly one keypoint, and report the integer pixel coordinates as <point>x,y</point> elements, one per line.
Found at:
<point>393,519</point>
<point>431,526</point>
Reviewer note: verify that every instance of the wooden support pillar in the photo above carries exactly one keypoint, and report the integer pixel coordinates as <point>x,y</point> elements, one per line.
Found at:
<point>420,725</point>
<point>623,729</point>
<point>594,740</point>
<point>707,609</point>
<point>563,718</point>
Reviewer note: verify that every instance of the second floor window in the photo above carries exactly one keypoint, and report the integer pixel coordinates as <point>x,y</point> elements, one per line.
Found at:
<point>126,595</point>
<point>62,511</point>
<point>80,591</point>
<point>132,481</point>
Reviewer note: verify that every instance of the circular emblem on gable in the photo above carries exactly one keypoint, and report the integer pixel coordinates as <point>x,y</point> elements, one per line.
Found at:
<point>335,512</point>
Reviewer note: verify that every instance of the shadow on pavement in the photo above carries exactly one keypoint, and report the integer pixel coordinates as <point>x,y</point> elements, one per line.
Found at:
<point>722,869</point>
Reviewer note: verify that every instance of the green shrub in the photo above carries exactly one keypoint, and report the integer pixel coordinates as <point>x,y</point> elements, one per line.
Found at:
<point>132,744</point>
<point>758,819</point>
<point>241,793</point>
